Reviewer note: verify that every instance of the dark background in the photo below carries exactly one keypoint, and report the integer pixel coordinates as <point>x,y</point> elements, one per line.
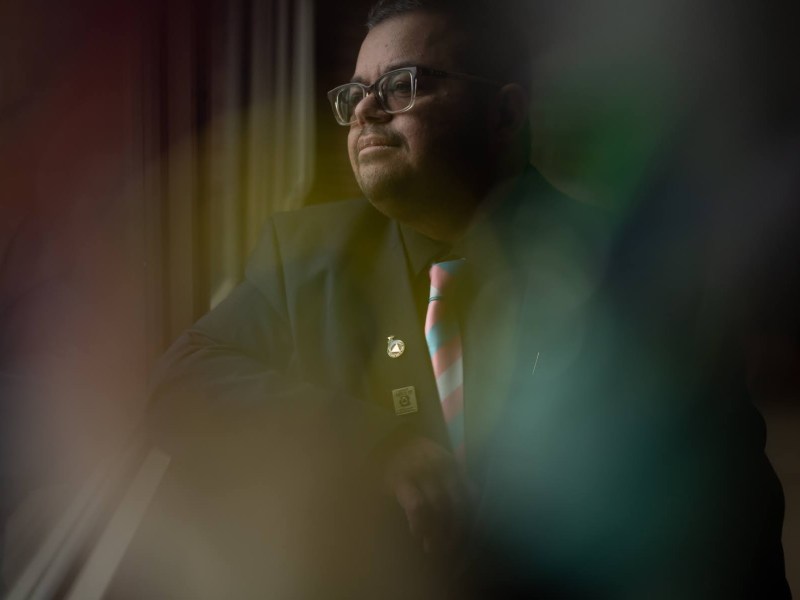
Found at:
<point>143,144</point>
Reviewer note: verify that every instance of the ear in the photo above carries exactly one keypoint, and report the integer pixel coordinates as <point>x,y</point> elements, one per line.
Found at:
<point>508,112</point>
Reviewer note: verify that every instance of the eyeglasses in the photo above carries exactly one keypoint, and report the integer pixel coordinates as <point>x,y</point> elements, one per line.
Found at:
<point>395,90</point>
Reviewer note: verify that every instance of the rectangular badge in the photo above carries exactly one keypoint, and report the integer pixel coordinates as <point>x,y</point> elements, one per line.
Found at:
<point>405,400</point>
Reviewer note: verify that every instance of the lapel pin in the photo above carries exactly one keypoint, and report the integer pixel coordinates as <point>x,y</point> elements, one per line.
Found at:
<point>405,400</point>
<point>395,348</point>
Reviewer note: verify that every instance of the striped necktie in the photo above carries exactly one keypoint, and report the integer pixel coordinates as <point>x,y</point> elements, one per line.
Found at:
<point>444,343</point>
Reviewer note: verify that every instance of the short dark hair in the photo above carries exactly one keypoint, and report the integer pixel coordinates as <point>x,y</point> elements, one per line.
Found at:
<point>386,9</point>
<point>500,34</point>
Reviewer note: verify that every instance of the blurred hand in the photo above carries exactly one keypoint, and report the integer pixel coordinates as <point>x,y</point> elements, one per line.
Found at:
<point>432,490</point>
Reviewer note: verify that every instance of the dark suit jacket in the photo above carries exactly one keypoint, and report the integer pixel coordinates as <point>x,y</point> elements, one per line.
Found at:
<point>605,472</point>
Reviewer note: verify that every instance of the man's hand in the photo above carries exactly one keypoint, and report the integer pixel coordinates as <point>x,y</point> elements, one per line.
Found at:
<point>431,489</point>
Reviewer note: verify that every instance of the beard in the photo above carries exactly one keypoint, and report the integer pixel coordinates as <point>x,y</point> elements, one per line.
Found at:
<point>435,203</point>
<point>391,191</point>
<point>443,180</point>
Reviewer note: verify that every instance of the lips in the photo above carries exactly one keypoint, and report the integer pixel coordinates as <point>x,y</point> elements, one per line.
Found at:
<point>372,141</point>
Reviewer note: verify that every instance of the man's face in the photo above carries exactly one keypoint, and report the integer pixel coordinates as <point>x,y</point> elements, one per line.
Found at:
<point>430,161</point>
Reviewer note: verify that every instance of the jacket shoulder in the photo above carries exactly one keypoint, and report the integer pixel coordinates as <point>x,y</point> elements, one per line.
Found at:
<point>328,217</point>
<point>310,238</point>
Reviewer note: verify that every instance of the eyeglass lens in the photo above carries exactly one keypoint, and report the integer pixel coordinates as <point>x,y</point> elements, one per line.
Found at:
<point>395,91</point>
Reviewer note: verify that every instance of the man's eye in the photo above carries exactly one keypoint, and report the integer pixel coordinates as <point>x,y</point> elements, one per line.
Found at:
<point>400,87</point>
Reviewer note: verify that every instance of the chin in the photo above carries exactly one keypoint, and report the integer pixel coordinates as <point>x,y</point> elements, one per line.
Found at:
<point>391,196</point>
<point>390,205</point>
<point>380,186</point>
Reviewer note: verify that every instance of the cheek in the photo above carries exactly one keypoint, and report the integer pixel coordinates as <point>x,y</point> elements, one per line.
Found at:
<point>440,130</point>
<point>433,142</point>
<point>352,137</point>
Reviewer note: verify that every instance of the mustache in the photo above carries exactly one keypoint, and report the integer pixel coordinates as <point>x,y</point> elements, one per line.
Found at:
<point>391,137</point>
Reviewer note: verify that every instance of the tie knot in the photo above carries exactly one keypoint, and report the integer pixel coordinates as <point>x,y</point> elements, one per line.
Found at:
<point>442,275</point>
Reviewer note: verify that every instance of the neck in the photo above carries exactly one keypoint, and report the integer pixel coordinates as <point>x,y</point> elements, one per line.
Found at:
<point>446,229</point>
<point>449,227</point>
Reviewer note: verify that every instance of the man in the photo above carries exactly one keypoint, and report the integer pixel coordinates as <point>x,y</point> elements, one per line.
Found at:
<point>341,354</point>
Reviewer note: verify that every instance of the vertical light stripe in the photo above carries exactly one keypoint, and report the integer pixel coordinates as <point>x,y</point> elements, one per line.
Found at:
<point>96,574</point>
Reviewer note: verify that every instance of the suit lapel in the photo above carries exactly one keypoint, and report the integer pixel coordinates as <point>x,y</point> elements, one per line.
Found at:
<point>387,289</point>
<point>523,319</point>
<point>490,335</point>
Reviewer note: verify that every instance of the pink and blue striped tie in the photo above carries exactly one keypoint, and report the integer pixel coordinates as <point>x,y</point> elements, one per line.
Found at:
<point>444,342</point>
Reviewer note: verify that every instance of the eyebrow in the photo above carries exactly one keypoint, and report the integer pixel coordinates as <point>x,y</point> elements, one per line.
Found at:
<point>391,67</point>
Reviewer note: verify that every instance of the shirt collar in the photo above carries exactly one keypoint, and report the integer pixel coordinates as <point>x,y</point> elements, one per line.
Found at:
<point>422,251</point>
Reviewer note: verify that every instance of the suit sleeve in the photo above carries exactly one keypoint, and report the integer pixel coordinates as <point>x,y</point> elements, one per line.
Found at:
<point>228,392</point>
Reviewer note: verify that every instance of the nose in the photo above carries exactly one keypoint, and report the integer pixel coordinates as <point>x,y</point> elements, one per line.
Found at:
<point>369,110</point>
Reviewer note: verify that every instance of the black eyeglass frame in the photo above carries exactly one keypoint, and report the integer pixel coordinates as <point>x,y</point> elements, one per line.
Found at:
<point>375,87</point>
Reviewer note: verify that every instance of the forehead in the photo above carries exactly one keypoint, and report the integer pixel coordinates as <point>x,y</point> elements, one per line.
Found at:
<point>415,38</point>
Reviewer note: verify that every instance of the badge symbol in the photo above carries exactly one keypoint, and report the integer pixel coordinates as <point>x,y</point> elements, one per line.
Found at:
<point>405,400</point>
<point>395,348</point>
